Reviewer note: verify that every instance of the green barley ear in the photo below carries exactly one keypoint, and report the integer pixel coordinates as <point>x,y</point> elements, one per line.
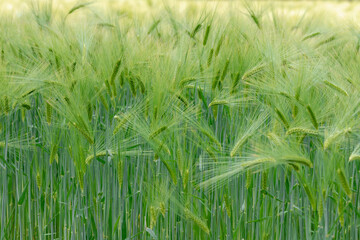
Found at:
<point>294,166</point>
<point>122,79</point>
<point>77,7</point>
<point>336,88</point>
<point>153,216</point>
<point>344,182</point>
<point>235,83</point>
<point>217,50</point>
<point>298,160</point>
<point>113,76</point>
<point>310,196</point>
<point>89,111</point>
<point>253,71</point>
<point>22,114</point>
<point>227,205</point>
<point>215,81</point>
<point>132,86</point>
<point>223,75</point>
<point>257,162</point>
<point>53,153</point>
<point>67,100</point>
<point>72,85</point>
<point>211,136</point>
<point>122,120</point>
<point>218,102</point>
<point>300,130</point>
<point>90,157</point>
<point>238,144</point>
<point>153,26</point>
<point>103,100</point>
<point>311,35</point>
<point>206,34</point>
<point>248,179</point>
<point>329,140</point>
<point>187,80</point>
<point>297,98</point>
<point>328,40</point>
<point>320,207</point>
<point>354,157</point>
<point>274,138</point>
<point>264,179</point>
<point>141,85</point>
<point>115,72</point>
<point>312,117</point>
<point>196,30</point>
<point>73,66</point>
<point>108,88</point>
<point>209,60</point>
<point>114,92</point>
<point>185,178</point>
<point>211,154</point>
<point>254,17</point>
<point>295,111</point>
<point>163,147</point>
<point>84,131</point>
<point>282,118</point>
<point>48,112</point>
<point>197,220</point>
<point>25,106</point>
<point>157,132</point>
<point>38,179</point>
<point>6,105</point>
<point>120,171</point>
<point>81,181</point>
<point>162,208</point>
<point>182,99</point>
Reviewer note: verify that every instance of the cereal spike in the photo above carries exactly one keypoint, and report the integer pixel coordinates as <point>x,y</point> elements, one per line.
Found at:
<point>312,117</point>
<point>344,182</point>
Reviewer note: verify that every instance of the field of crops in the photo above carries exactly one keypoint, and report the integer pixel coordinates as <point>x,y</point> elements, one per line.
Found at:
<point>179,120</point>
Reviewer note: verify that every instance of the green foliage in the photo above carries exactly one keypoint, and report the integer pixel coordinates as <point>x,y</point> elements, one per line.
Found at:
<point>177,120</point>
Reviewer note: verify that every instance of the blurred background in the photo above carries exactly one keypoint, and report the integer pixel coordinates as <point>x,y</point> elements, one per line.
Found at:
<point>336,8</point>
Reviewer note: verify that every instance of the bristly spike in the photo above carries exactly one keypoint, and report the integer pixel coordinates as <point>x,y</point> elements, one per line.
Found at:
<point>312,117</point>
<point>206,34</point>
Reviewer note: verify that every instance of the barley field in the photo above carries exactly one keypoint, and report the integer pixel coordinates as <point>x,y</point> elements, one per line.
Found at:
<point>179,120</point>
